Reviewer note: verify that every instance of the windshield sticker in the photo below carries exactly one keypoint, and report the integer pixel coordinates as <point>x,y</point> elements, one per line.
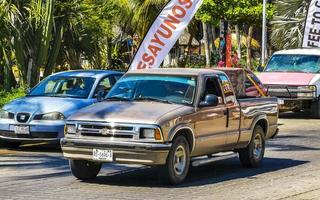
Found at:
<point>226,87</point>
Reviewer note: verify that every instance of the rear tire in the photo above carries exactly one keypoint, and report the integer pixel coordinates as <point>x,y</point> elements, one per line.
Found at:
<point>252,155</point>
<point>84,170</point>
<point>177,167</point>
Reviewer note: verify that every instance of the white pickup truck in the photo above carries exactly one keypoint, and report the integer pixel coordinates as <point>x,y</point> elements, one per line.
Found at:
<point>294,77</point>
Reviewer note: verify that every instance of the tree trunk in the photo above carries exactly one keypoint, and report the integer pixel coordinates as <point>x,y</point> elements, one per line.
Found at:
<point>29,72</point>
<point>176,54</point>
<point>206,43</point>
<point>249,52</point>
<point>52,60</point>
<point>109,52</point>
<point>238,41</point>
<point>8,78</point>
<point>187,54</point>
<point>214,37</point>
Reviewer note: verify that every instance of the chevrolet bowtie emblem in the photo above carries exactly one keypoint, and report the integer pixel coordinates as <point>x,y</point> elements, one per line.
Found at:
<point>105,131</point>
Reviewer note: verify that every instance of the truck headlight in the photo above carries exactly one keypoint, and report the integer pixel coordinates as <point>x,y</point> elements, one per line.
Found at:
<point>6,115</point>
<point>70,129</point>
<point>306,91</point>
<point>50,116</point>
<point>150,133</point>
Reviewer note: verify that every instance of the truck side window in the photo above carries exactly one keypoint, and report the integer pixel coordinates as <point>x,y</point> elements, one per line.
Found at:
<point>251,90</point>
<point>105,85</point>
<point>227,89</point>
<point>212,87</point>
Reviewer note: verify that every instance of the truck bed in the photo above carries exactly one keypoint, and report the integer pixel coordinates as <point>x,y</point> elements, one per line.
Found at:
<point>265,106</point>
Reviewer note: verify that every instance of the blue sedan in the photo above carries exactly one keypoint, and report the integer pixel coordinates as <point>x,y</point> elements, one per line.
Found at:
<point>40,115</point>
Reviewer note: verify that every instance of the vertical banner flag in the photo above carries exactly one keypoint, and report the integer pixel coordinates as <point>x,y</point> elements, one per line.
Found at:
<point>311,37</point>
<point>164,32</point>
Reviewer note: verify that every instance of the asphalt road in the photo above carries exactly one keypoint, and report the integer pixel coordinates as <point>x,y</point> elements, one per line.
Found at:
<point>291,170</point>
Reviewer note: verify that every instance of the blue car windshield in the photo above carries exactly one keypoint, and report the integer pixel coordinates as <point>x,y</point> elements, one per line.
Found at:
<point>294,63</point>
<point>167,89</point>
<point>71,87</point>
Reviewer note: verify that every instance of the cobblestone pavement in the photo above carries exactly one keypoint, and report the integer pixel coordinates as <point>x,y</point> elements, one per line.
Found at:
<point>291,170</point>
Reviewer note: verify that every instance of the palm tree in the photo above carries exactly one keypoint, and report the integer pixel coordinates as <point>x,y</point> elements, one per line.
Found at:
<point>8,14</point>
<point>28,27</point>
<point>38,33</point>
<point>288,23</point>
<point>139,14</point>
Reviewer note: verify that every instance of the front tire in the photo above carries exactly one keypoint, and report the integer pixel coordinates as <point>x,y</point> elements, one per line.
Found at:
<point>178,161</point>
<point>84,170</point>
<point>252,155</point>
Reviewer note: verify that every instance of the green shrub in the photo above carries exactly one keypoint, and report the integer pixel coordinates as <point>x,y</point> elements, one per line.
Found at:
<point>6,97</point>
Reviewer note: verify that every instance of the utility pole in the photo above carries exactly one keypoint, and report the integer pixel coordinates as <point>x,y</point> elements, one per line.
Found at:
<point>264,33</point>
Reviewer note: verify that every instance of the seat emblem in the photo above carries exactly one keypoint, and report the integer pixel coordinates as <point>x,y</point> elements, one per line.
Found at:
<point>22,117</point>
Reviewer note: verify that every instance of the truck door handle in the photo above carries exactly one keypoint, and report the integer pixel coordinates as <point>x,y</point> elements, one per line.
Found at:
<point>226,113</point>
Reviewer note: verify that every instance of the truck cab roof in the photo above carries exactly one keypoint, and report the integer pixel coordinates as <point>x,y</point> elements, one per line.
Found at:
<point>300,51</point>
<point>176,71</point>
<point>87,73</point>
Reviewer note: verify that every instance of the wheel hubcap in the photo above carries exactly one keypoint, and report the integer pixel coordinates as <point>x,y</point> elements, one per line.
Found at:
<point>257,147</point>
<point>179,160</point>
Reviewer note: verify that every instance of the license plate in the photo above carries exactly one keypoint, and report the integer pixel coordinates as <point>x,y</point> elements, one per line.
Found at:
<point>22,130</point>
<point>280,101</point>
<point>102,155</point>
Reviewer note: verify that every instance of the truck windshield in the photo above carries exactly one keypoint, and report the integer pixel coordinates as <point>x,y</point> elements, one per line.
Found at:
<point>56,86</point>
<point>166,89</point>
<point>294,63</point>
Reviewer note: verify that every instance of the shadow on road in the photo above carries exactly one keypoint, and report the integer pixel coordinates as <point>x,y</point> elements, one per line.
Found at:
<point>296,115</point>
<point>217,172</point>
<point>38,147</point>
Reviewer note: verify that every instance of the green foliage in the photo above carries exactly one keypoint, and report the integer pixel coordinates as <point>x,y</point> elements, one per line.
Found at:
<point>6,97</point>
<point>89,32</point>
<point>288,23</point>
<point>235,11</point>
<point>44,34</point>
<point>139,14</point>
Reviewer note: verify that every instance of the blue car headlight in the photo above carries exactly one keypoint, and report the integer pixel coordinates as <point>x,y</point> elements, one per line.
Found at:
<point>50,116</point>
<point>5,114</point>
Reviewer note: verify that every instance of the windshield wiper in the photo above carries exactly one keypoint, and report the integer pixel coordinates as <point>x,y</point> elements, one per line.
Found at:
<point>115,98</point>
<point>151,99</point>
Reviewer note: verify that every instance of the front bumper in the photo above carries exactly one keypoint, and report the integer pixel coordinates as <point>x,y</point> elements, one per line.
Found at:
<point>290,104</point>
<point>123,152</point>
<point>40,131</point>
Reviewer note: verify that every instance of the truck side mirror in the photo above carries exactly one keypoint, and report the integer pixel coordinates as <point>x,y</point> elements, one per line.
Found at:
<point>210,100</point>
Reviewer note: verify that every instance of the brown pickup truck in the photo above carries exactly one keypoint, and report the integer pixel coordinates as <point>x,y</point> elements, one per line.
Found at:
<point>169,118</point>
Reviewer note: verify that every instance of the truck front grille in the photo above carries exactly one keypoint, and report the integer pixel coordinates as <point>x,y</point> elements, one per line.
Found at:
<point>290,91</point>
<point>107,131</point>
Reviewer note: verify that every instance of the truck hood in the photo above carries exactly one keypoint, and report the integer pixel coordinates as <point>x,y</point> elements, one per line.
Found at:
<point>285,78</point>
<point>125,112</point>
<point>40,105</point>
